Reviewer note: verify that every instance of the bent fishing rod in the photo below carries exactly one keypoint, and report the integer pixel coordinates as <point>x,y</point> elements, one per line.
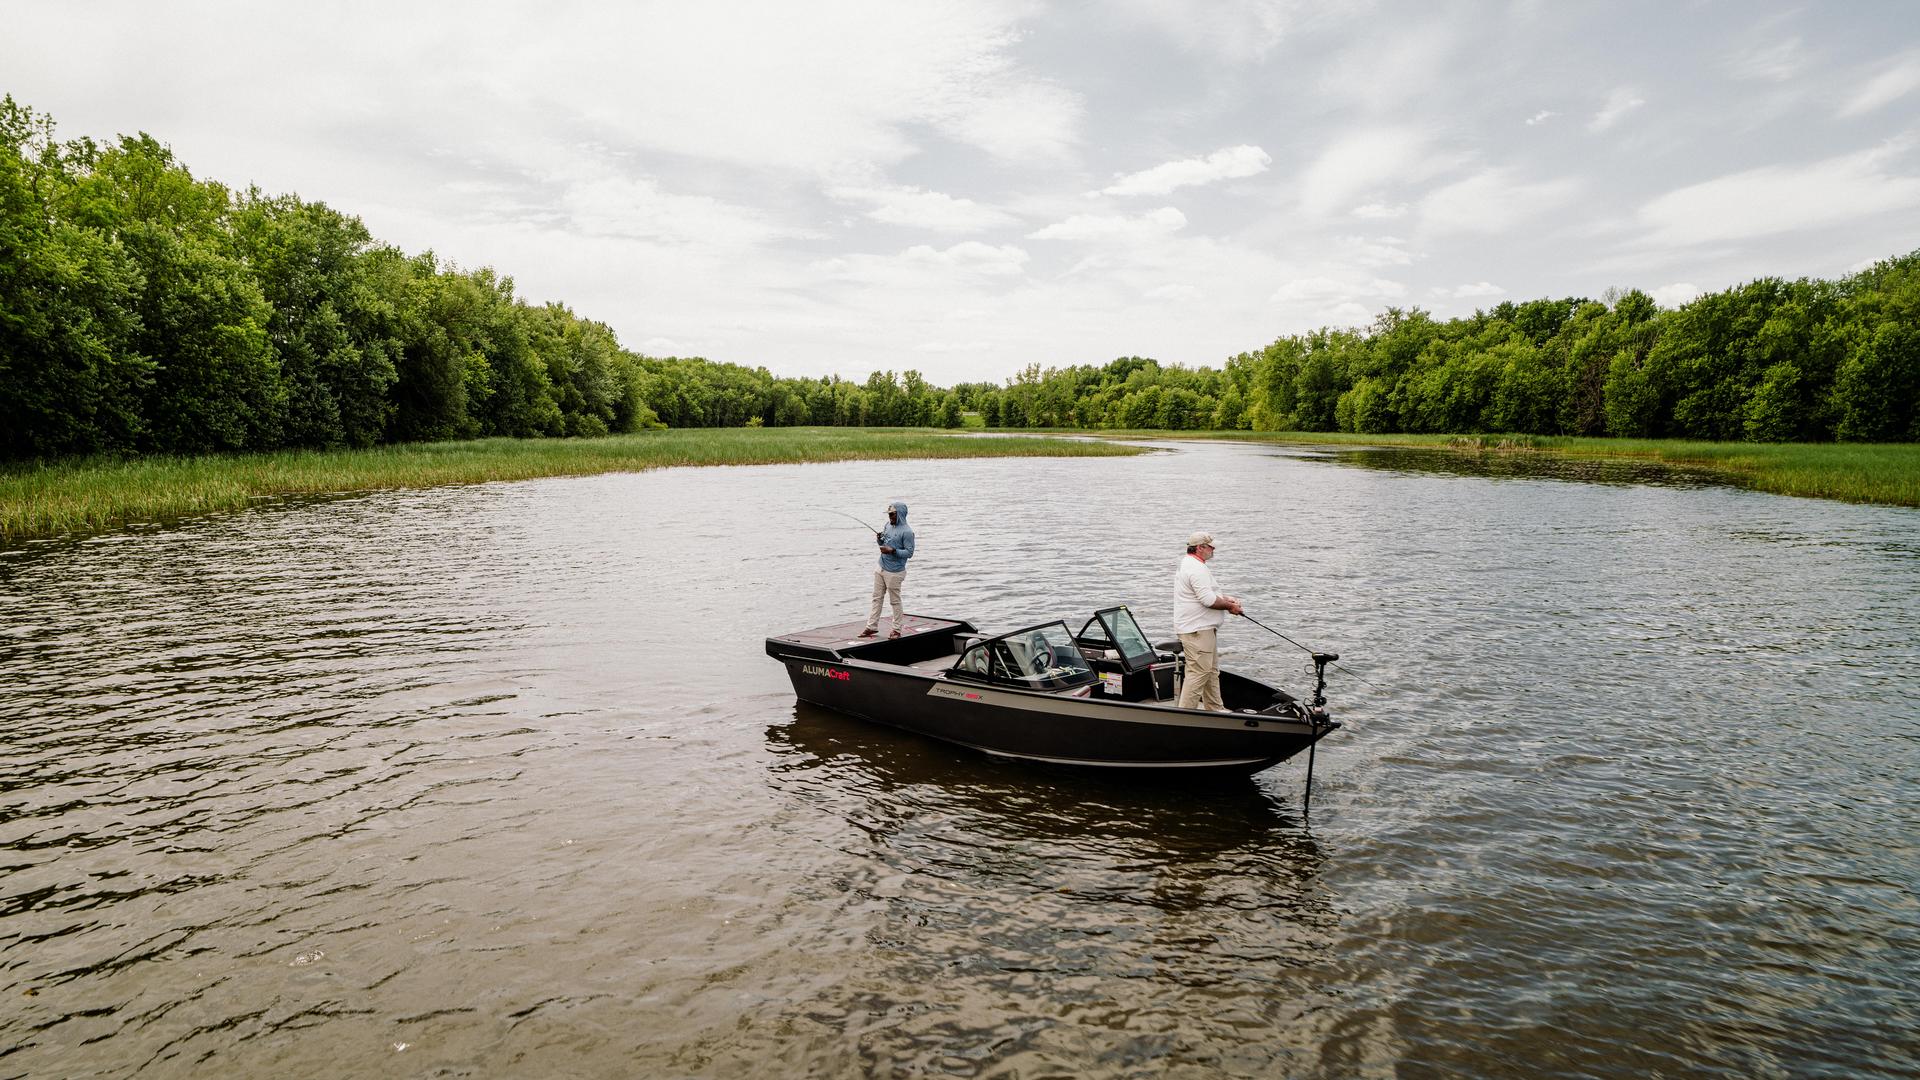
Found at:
<point>844,514</point>
<point>1320,659</point>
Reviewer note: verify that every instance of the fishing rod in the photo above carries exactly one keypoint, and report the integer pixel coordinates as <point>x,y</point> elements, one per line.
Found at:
<point>844,514</point>
<point>1320,659</point>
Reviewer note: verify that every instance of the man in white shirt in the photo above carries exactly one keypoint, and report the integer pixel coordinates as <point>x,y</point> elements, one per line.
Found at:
<point>1199,608</point>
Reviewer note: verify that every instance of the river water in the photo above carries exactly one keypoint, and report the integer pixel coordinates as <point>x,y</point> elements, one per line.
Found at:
<point>497,781</point>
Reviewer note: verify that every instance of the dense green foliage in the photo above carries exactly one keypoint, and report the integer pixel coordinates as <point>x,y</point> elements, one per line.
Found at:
<point>1768,361</point>
<point>145,311</point>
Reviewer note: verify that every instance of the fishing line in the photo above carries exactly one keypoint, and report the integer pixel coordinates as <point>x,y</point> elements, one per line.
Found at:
<point>1301,647</point>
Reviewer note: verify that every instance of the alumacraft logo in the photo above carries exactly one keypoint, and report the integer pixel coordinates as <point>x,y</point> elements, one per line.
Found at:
<point>825,672</point>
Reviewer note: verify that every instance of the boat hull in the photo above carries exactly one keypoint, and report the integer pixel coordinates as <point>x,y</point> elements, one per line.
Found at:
<point>1088,731</point>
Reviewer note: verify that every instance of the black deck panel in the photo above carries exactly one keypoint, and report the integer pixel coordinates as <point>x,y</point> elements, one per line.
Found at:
<point>847,634</point>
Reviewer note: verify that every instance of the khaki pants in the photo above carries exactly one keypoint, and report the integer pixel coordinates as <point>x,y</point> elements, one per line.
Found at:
<point>1201,690</point>
<point>886,586</point>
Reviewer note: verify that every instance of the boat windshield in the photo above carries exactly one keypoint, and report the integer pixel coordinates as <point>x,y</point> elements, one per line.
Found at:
<point>1039,657</point>
<point>1115,628</point>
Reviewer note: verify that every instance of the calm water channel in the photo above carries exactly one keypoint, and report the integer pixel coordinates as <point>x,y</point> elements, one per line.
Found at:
<point>496,781</point>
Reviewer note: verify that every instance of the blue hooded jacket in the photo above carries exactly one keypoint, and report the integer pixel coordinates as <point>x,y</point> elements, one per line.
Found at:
<point>899,538</point>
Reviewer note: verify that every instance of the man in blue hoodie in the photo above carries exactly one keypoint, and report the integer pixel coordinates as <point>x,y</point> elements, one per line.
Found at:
<point>896,547</point>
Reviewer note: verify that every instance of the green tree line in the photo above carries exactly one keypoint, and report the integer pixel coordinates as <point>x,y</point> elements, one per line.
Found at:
<point>1768,361</point>
<point>145,310</point>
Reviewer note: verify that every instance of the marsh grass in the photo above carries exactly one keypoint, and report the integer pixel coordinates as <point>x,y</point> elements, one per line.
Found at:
<point>1884,473</point>
<point>89,495</point>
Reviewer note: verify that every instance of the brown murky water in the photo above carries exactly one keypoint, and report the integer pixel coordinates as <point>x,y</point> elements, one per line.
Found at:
<point>496,781</point>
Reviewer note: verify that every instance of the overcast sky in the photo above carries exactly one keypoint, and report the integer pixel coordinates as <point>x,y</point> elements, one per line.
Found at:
<point>964,188</point>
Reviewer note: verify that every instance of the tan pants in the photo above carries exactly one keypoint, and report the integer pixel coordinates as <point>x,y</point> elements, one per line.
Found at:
<point>1201,690</point>
<point>886,586</point>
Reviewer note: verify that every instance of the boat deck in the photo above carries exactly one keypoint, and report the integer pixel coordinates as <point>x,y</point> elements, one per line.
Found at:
<point>844,636</point>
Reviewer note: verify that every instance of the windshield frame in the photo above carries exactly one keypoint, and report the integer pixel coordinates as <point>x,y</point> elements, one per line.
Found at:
<point>1003,660</point>
<point>1108,639</point>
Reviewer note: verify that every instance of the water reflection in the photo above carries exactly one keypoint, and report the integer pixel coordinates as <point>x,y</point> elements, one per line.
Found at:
<point>1030,906</point>
<point>1141,820</point>
<point>1525,465</point>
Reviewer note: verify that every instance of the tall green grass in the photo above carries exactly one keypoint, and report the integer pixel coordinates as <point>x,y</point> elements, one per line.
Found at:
<point>44,500</point>
<point>90,495</point>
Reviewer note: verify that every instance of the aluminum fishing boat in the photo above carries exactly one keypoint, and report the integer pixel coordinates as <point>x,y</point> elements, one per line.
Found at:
<point>1103,696</point>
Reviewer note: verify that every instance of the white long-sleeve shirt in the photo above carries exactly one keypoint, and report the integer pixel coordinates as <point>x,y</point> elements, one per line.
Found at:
<point>1193,595</point>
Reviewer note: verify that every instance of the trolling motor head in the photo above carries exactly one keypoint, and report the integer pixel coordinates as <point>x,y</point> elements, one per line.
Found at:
<point>1320,662</point>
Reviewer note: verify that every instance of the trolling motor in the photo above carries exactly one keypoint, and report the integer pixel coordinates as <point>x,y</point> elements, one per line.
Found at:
<point>1316,714</point>
<point>1320,662</point>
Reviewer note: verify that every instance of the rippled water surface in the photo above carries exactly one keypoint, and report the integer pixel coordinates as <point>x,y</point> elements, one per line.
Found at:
<point>497,781</point>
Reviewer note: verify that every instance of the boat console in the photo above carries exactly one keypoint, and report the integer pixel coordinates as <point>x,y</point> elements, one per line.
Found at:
<point>1130,667</point>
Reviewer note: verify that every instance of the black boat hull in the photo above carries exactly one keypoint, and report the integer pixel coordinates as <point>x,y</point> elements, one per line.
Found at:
<point>1091,730</point>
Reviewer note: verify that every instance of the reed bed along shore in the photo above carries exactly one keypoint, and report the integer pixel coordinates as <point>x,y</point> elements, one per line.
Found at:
<point>91,495</point>
<point>1887,474</point>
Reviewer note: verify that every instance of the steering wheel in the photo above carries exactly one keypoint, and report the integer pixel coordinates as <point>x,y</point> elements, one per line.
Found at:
<point>1045,658</point>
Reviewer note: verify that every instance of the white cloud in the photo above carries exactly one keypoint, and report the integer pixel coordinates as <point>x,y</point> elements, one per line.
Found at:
<point>760,83</point>
<point>1017,123</point>
<point>1320,288</point>
<point>1375,251</point>
<point>803,90</point>
<point>1781,198</point>
<point>1150,225</point>
<point>1380,211</point>
<point>1477,290</point>
<point>1774,62</point>
<point>1622,101</point>
<point>1492,201</point>
<point>953,347</point>
<point>1231,163</point>
<point>925,266</point>
<point>1676,294</point>
<point>919,208</point>
<point>1333,298</point>
<point>1900,78</point>
<point>1392,66</point>
<point>1361,161</point>
<point>971,256</point>
<point>635,208</point>
<point>1173,293</point>
<point>1235,31</point>
<point>1541,117</point>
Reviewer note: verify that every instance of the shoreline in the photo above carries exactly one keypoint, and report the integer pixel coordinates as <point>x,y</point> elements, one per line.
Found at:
<point>90,496</point>
<point>1875,474</point>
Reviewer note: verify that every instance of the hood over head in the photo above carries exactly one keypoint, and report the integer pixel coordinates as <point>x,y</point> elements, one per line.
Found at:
<point>899,506</point>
